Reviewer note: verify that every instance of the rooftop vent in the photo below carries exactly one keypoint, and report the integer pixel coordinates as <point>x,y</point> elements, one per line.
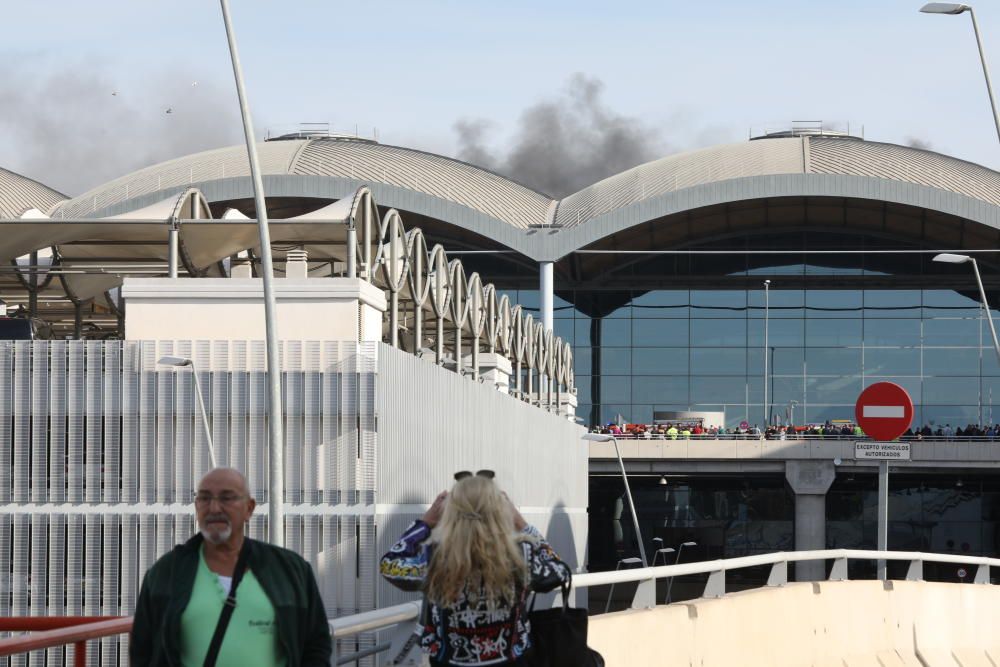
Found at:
<point>809,128</point>
<point>317,131</point>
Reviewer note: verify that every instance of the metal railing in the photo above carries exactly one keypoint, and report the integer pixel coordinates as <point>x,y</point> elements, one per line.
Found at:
<point>56,631</point>
<point>802,436</point>
<point>400,617</point>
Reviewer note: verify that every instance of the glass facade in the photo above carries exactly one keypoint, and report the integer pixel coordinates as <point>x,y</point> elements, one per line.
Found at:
<point>704,350</point>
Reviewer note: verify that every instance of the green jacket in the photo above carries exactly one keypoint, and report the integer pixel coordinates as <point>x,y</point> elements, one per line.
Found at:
<point>287,579</point>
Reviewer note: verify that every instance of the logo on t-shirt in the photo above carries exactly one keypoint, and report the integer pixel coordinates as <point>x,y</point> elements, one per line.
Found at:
<point>262,627</point>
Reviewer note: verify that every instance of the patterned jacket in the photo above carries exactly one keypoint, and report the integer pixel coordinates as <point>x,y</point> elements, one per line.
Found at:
<point>467,633</point>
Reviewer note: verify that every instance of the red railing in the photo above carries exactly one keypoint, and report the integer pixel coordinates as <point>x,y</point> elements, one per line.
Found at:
<point>52,631</point>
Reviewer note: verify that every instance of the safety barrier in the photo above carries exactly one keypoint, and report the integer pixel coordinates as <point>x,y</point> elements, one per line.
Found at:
<point>54,631</point>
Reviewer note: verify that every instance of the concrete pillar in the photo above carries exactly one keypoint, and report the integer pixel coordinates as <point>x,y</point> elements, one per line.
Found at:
<point>810,480</point>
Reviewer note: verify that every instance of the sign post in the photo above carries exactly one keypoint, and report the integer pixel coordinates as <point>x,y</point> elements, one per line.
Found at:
<point>884,412</point>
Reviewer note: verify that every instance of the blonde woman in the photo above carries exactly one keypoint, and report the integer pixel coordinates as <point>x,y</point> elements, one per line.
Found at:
<point>475,559</point>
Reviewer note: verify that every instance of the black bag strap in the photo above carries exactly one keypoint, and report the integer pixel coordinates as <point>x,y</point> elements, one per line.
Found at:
<point>228,606</point>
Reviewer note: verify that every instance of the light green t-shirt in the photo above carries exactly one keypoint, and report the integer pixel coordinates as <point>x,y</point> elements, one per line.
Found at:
<point>252,636</point>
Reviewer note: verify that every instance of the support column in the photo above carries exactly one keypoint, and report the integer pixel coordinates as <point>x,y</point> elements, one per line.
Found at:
<point>33,282</point>
<point>810,480</point>
<point>173,250</point>
<point>545,291</point>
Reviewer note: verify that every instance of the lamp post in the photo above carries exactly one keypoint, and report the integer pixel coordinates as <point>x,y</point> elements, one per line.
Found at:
<point>949,258</point>
<point>276,482</point>
<point>951,8</point>
<point>677,560</point>
<point>606,437</point>
<point>767,304</point>
<point>183,361</point>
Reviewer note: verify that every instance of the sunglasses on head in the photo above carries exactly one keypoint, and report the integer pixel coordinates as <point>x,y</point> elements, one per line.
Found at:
<point>463,474</point>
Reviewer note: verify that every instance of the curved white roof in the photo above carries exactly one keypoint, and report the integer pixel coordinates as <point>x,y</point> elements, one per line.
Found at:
<point>357,160</point>
<point>767,157</point>
<point>20,193</point>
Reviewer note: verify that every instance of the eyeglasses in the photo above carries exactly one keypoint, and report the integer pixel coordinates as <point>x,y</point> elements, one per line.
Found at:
<point>463,474</point>
<point>225,499</point>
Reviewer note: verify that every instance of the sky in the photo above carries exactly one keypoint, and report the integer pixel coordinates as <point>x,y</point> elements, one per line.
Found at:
<point>556,94</point>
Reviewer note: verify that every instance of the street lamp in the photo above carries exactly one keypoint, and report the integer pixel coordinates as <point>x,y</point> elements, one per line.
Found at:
<point>660,549</point>
<point>767,303</point>
<point>952,8</point>
<point>677,560</point>
<point>183,361</point>
<point>276,469</point>
<point>607,437</point>
<point>949,258</point>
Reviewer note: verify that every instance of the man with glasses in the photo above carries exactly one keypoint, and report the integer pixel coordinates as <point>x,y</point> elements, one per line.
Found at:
<point>224,599</point>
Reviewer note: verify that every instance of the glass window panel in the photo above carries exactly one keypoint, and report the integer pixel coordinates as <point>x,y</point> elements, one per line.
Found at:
<point>991,397</point>
<point>781,390</point>
<point>582,388</point>
<point>718,303</point>
<point>581,331</point>
<point>615,333</point>
<point>719,333</point>
<point>614,360</point>
<point>954,391</point>
<point>833,390</point>
<point>561,308</point>
<point>563,329</point>
<point>989,363</point>
<point>820,414</point>
<point>782,303</point>
<point>833,303</point>
<point>528,298</point>
<point>947,502</point>
<point>833,360</point>
<point>641,414</point>
<point>782,360</point>
<point>660,361</point>
<point>892,361</point>
<point>910,384</point>
<point>780,333</point>
<point>722,361</point>
<point>582,360</point>
<point>940,415</point>
<point>659,389</point>
<point>833,332</point>
<point>892,332</point>
<point>949,303</point>
<point>659,333</point>
<point>951,361</point>
<point>957,537</point>
<point>952,332</point>
<point>718,389</point>
<point>661,303</point>
<point>892,303</point>
<point>616,389</point>
<point>610,413</point>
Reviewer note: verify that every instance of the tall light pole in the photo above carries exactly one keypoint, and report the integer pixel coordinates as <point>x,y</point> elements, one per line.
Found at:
<point>276,490</point>
<point>767,304</point>
<point>951,8</point>
<point>183,361</point>
<point>949,258</point>
<point>606,437</point>
<point>677,560</point>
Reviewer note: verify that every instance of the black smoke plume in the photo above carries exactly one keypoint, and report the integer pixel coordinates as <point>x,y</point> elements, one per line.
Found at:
<point>73,129</point>
<point>566,143</point>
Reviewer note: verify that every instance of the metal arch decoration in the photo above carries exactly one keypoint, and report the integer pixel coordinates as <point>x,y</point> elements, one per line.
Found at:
<point>477,313</point>
<point>418,282</point>
<point>459,307</point>
<point>441,292</point>
<point>528,334</point>
<point>503,324</point>
<point>518,344</point>
<point>393,260</point>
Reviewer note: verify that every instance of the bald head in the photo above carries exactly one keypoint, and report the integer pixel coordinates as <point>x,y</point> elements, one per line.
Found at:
<point>230,478</point>
<point>223,505</point>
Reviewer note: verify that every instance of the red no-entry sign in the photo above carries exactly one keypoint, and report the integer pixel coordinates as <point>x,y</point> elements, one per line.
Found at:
<point>884,411</point>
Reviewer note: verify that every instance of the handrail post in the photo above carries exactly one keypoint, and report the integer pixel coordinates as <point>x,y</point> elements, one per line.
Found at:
<point>916,571</point>
<point>716,585</point>
<point>983,574</point>
<point>80,654</point>
<point>645,594</point>
<point>839,570</point>
<point>779,574</point>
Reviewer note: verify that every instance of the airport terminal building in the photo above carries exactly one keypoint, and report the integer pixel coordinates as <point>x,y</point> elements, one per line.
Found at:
<point>769,280</point>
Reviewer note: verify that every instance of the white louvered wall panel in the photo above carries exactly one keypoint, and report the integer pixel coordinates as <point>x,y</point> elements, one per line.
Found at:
<point>104,448</point>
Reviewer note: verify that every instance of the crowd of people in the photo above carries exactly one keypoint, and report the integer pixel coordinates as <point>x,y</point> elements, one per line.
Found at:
<point>696,430</point>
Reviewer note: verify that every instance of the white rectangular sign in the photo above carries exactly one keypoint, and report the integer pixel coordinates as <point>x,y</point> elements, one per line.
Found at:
<point>891,411</point>
<point>899,451</point>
